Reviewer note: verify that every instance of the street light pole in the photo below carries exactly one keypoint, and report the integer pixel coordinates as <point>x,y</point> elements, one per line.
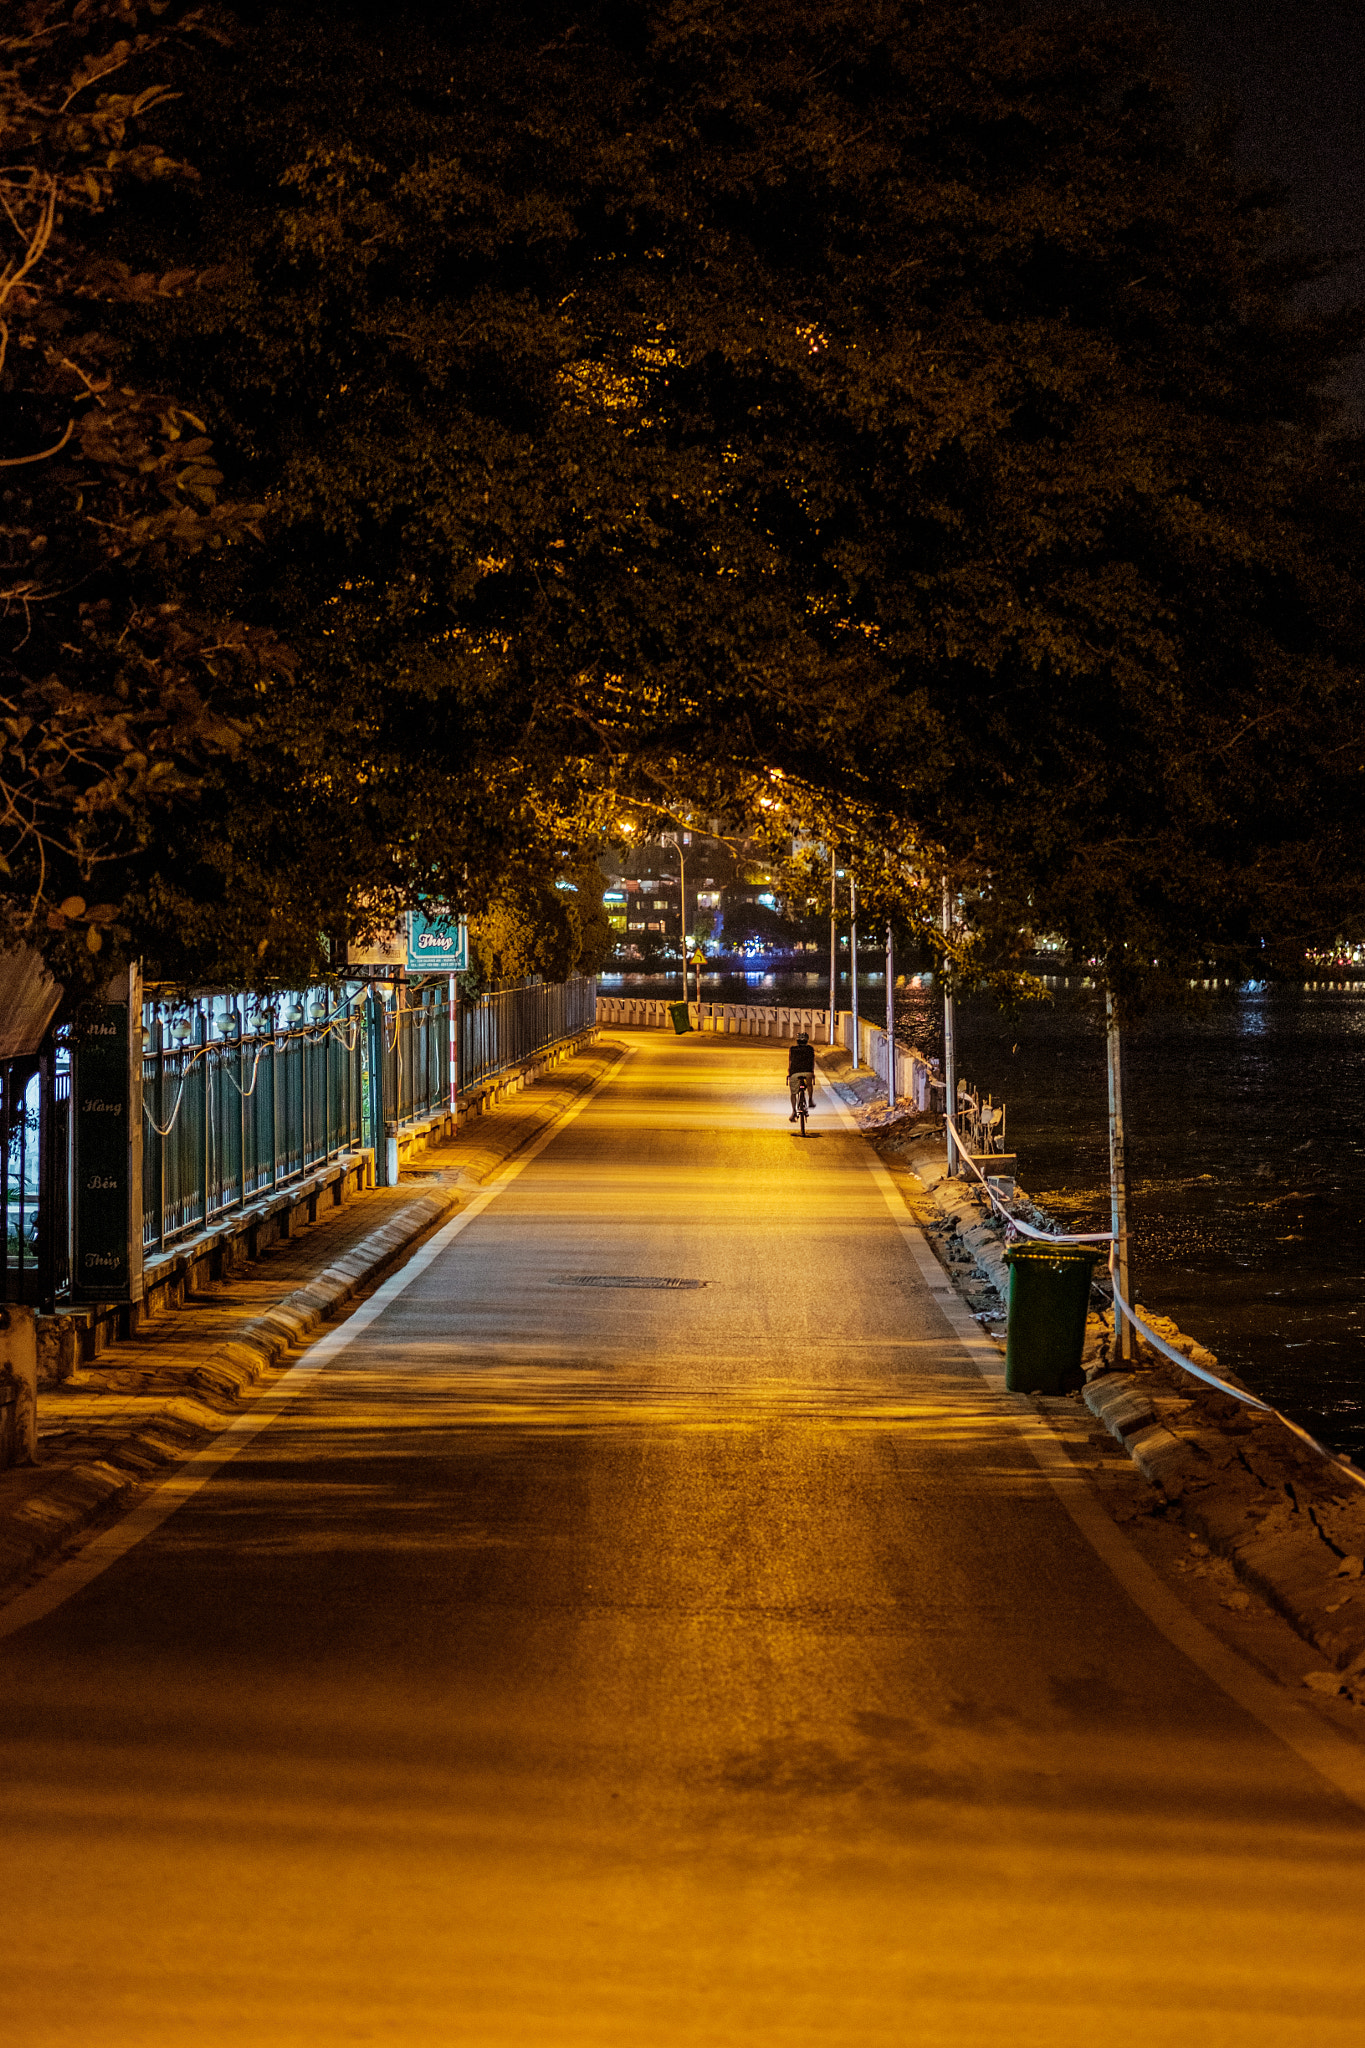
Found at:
<point>890,1018</point>
<point>1118,1177</point>
<point>949,1035</point>
<point>833,947</point>
<point>674,839</point>
<point>853,959</point>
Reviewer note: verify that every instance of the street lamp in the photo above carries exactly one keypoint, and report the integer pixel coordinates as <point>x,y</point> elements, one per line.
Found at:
<point>674,839</point>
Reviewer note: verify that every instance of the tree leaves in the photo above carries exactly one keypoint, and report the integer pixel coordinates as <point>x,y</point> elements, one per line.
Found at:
<point>107,676</point>
<point>887,399</point>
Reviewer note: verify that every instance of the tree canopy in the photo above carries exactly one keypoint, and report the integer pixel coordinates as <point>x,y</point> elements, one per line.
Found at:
<point>111,682</point>
<point>875,415</point>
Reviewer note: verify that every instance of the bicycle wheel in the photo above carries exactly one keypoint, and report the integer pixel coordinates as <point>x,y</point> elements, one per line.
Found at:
<point>802,1108</point>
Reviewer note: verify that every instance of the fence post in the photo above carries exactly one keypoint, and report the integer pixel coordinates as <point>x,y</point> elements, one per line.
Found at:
<point>241,1099</point>
<point>47,1178</point>
<point>374,1045</point>
<point>455,1043</point>
<point>1118,1175</point>
<point>274,1097</point>
<point>326,1075</point>
<point>205,1149</point>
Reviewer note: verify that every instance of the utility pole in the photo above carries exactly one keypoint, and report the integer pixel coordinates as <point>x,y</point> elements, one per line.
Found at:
<point>1118,1176</point>
<point>853,958</point>
<point>833,950</point>
<point>949,1031</point>
<point>890,1018</point>
<point>674,839</point>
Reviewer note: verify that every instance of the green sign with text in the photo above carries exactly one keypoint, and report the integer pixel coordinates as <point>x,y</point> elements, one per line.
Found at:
<point>437,943</point>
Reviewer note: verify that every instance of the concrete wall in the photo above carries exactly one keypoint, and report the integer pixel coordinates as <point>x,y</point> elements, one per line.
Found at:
<point>742,1020</point>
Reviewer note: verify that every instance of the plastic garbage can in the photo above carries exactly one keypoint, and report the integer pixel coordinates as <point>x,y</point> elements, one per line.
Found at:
<point>682,1017</point>
<point>1048,1304</point>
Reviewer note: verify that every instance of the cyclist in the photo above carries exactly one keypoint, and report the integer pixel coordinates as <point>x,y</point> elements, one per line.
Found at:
<point>801,1071</point>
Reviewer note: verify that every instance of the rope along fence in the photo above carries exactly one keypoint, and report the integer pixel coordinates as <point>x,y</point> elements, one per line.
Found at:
<point>241,1097</point>
<point>1138,1322</point>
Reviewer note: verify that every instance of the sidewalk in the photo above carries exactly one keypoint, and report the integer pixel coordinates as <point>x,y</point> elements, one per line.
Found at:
<point>152,1399</point>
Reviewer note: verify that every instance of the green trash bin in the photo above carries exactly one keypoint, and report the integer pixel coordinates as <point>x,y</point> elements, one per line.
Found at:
<point>1049,1301</point>
<point>682,1017</point>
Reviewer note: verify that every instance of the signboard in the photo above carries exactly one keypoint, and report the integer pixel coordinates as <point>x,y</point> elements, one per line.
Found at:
<point>385,948</point>
<point>106,1121</point>
<point>438,943</point>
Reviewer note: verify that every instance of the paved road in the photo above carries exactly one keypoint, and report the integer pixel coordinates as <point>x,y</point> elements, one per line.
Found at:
<point>573,1664</point>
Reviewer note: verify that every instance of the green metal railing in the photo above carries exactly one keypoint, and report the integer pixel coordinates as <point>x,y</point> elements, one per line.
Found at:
<point>245,1094</point>
<point>35,1194</point>
<point>420,1048</point>
<point>241,1097</point>
<point>511,1024</point>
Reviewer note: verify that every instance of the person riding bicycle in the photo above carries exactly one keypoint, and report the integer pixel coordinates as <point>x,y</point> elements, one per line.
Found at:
<point>801,1071</point>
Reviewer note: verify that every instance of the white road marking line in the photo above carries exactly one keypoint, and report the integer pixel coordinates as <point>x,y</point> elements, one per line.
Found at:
<point>1332,1755</point>
<point>96,1556</point>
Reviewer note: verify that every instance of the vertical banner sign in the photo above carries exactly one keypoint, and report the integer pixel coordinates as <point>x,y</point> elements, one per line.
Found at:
<point>106,1116</point>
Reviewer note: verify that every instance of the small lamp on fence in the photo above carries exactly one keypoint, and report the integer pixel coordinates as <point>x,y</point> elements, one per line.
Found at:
<point>226,1022</point>
<point>317,1010</point>
<point>183,1027</point>
<point>293,1016</point>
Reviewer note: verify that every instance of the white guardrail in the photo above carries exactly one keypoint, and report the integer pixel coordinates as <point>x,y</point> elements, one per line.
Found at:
<point>747,1020</point>
<point>1145,1330</point>
<point>915,1078</point>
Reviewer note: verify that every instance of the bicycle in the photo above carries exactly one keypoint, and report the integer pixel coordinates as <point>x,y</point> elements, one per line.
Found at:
<point>805,1098</point>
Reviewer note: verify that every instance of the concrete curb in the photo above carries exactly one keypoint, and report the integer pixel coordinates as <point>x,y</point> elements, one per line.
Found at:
<point>31,1531</point>
<point>1126,1411</point>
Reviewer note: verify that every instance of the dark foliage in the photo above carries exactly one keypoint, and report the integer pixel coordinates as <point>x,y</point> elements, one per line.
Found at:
<point>882,406</point>
<point>116,689</point>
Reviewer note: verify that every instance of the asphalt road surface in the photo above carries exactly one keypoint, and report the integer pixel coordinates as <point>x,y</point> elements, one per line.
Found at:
<point>580,1663</point>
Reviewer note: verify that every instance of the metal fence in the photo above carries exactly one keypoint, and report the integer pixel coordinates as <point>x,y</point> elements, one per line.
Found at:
<point>511,1024</point>
<point>35,1181</point>
<point>242,1095</point>
<point>419,1042</point>
<point>239,1098</point>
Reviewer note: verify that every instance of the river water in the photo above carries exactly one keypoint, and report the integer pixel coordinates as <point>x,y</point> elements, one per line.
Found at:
<point>1246,1130</point>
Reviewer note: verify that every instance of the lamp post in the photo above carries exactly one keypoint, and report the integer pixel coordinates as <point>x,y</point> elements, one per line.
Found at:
<point>1118,1174</point>
<point>949,1036</point>
<point>853,961</point>
<point>833,947</point>
<point>890,1018</point>
<point>674,839</point>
